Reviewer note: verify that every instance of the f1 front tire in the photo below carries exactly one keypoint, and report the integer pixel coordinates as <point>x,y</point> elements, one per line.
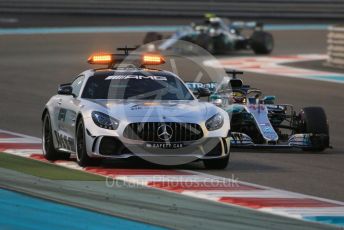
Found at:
<point>152,37</point>
<point>262,42</point>
<point>314,121</point>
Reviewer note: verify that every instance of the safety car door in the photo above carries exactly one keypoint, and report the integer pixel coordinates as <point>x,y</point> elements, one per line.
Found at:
<point>68,110</point>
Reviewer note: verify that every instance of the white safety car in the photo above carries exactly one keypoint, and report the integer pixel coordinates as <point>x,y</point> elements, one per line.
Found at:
<point>126,110</point>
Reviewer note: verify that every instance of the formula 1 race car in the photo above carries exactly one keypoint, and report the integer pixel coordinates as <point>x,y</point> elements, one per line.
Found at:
<point>218,36</point>
<point>127,109</point>
<point>258,122</point>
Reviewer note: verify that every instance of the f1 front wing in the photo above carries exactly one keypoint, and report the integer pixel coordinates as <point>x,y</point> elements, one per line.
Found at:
<point>302,141</point>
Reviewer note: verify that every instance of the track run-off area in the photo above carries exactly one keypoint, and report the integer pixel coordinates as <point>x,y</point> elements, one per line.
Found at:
<point>196,184</point>
<point>293,183</point>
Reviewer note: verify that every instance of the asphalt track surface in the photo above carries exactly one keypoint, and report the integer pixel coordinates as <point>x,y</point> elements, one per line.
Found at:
<point>33,65</point>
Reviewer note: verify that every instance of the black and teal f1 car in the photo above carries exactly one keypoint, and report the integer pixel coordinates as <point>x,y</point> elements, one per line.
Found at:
<point>218,36</point>
<point>258,122</point>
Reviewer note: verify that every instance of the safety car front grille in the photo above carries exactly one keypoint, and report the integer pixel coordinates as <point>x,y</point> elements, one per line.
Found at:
<point>148,131</point>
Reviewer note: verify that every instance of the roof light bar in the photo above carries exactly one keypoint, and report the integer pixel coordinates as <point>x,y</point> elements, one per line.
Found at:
<point>136,59</point>
<point>101,59</point>
<point>152,59</point>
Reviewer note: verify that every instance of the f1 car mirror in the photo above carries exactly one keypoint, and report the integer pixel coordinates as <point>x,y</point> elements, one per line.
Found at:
<point>203,92</point>
<point>218,102</point>
<point>269,99</point>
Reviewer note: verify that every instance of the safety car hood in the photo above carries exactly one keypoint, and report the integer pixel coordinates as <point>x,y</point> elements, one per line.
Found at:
<point>123,108</point>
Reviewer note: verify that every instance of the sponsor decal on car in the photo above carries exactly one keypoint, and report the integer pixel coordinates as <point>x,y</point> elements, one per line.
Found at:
<point>165,145</point>
<point>137,77</point>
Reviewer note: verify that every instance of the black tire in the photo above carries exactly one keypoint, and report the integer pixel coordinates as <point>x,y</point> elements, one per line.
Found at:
<point>82,157</point>
<point>221,45</point>
<point>49,151</point>
<point>217,163</point>
<point>152,37</point>
<point>262,42</point>
<point>313,120</point>
<point>206,42</point>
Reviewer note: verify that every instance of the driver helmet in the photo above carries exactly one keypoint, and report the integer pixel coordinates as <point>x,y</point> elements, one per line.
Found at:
<point>237,97</point>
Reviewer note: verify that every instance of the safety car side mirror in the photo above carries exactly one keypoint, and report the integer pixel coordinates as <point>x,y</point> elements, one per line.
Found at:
<point>65,89</point>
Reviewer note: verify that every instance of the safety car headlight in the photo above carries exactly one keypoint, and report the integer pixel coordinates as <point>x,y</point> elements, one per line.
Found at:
<point>104,121</point>
<point>215,122</point>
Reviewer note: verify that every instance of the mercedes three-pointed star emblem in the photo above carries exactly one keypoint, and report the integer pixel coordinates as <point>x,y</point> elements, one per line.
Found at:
<point>165,132</point>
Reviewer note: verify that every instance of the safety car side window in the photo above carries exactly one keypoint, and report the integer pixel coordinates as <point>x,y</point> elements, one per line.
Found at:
<point>77,83</point>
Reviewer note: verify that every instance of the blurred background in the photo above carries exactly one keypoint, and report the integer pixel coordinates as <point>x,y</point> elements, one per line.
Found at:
<point>17,13</point>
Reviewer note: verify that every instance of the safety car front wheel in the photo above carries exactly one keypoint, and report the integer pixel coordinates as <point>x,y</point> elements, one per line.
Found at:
<point>49,151</point>
<point>217,163</point>
<point>82,157</point>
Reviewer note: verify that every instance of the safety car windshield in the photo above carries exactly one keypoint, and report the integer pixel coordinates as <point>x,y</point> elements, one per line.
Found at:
<point>138,86</point>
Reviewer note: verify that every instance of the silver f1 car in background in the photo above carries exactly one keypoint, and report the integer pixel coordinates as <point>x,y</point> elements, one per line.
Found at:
<point>219,36</point>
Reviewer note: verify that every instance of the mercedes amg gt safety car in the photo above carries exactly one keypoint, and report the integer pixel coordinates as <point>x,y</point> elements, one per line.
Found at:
<point>126,110</point>
<point>258,122</point>
<point>218,36</point>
